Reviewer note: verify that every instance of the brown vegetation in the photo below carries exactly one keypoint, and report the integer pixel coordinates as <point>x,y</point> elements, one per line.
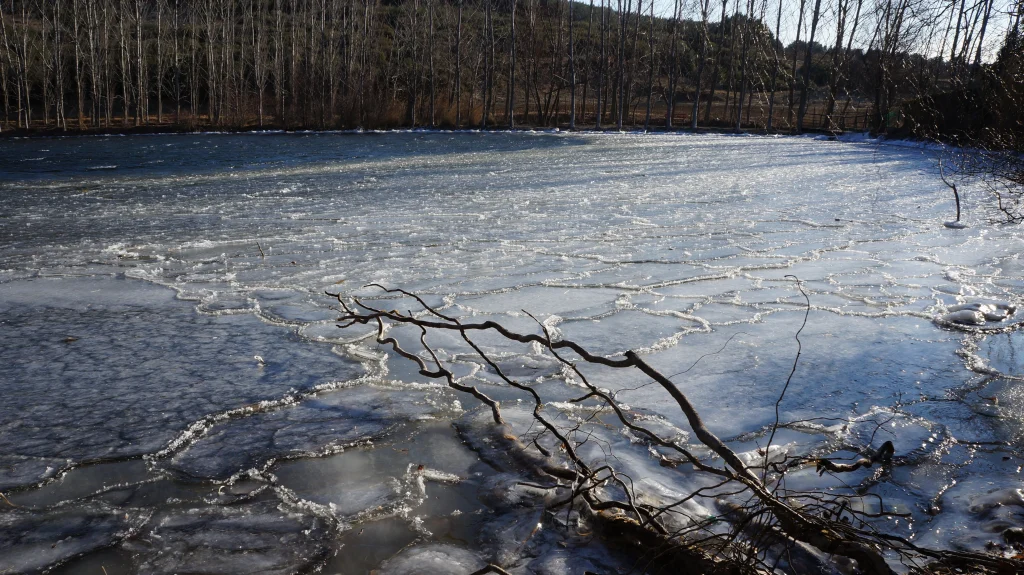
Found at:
<point>319,64</point>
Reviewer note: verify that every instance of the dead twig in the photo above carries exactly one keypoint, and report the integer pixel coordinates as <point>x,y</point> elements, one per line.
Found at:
<point>796,361</point>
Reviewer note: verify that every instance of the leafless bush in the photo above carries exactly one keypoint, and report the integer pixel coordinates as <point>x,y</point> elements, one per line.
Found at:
<point>997,172</point>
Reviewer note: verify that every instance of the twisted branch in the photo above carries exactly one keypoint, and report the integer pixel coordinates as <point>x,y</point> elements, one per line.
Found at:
<point>764,518</point>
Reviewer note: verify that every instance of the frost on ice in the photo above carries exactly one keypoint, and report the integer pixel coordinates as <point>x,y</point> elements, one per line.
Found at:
<point>159,365</point>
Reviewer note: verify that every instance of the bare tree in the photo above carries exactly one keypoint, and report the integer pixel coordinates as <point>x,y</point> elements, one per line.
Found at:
<point>321,63</point>
<point>141,90</point>
<point>5,65</point>
<point>705,9</point>
<point>572,68</point>
<point>805,82</point>
<point>458,69</point>
<point>259,68</point>
<point>839,56</point>
<point>889,29</point>
<point>58,63</point>
<point>731,68</point>
<point>796,51</point>
<point>488,89</point>
<point>510,102</point>
<point>620,80</point>
<point>672,65</point>
<point>718,58</point>
<point>159,83</point>
<point>600,69</point>
<point>745,31</point>
<point>176,62</point>
<point>588,63</point>
<point>25,84</point>
<point>650,69</point>
<point>430,51</point>
<point>775,71</point>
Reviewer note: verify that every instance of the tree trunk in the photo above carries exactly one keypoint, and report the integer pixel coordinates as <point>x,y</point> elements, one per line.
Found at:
<point>511,104</point>
<point>981,35</point>
<point>650,71</point>
<point>807,67</point>
<point>159,62</point>
<point>572,69</point>
<point>430,50</point>
<point>727,110</point>
<point>619,109</point>
<point>177,67</point>
<point>796,48</point>
<point>743,66</point>
<point>839,57</point>
<point>775,72</point>
<point>108,75</point>
<point>588,61</point>
<point>458,70</point>
<point>58,65</point>
<point>125,62</point>
<point>718,59</point>
<point>140,70</point>
<point>26,85</point>
<point>5,65</point>
<point>705,9</point>
<point>670,89</point>
<point>601,64</point>
<point>488,65</point>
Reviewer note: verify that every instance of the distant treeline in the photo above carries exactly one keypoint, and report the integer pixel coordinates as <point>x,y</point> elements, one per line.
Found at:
<point>321,64</point>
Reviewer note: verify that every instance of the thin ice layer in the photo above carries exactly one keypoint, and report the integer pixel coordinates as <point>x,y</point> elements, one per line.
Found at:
<point>106,368</point>
<point>680,247</point>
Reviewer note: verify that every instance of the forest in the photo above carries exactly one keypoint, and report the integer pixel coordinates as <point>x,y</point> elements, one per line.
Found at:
<point>932,67</point>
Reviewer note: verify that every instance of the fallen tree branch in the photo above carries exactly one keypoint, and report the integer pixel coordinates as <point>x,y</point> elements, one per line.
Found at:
<point>883,455</point>
<point>766,516</point>
<point>490,568</point>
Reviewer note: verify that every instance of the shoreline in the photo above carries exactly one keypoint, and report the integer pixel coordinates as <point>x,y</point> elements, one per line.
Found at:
<point>21,133</point>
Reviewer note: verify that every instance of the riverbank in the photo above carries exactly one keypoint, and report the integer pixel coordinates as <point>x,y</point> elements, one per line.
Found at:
<point>53,132</point>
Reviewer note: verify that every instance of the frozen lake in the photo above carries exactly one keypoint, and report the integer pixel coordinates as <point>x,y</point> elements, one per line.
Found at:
<point>178,398</point>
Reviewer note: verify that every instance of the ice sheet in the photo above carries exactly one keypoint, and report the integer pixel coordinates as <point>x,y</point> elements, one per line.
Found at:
<point>170,317</point>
